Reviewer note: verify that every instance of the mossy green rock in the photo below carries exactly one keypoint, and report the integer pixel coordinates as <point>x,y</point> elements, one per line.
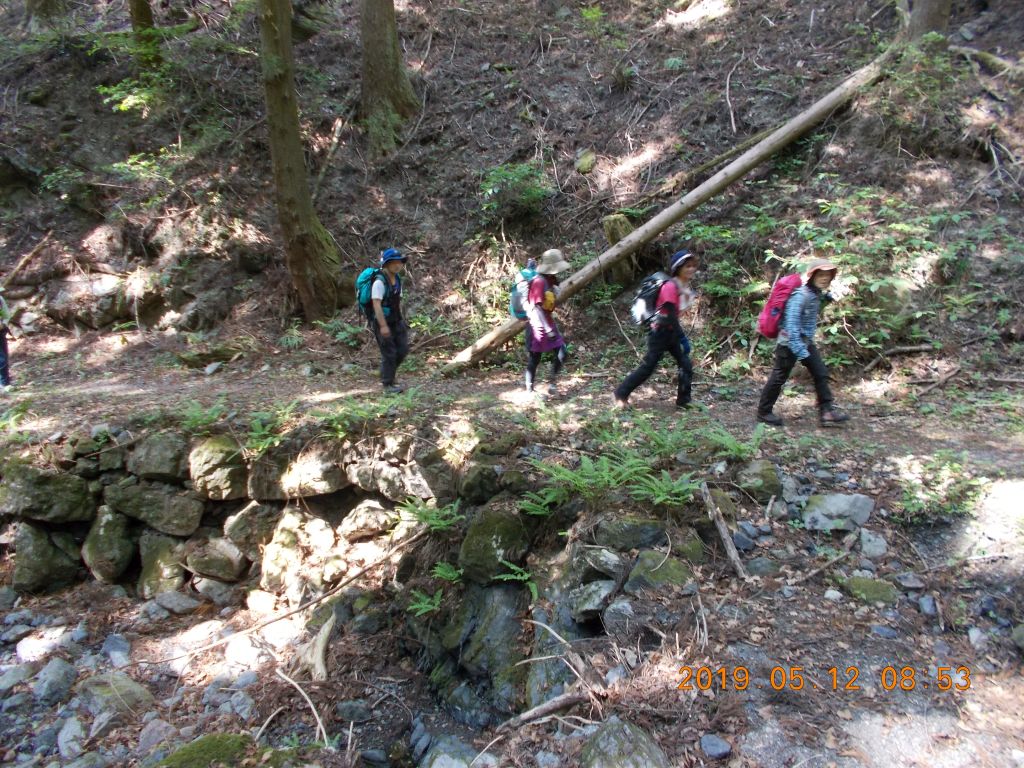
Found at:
<point>653,571</point>
<point>114,692</point>
<point>52,497</point>
<point>216,557</point>
<point>493,536</point>
<point>869,590</point>
<point>724,503</point>
<point>630,532</point>
<point>760,479</point>
<point>585,161</point>
<point>479,481</point>
<point>164,507</point>
<point>40,565</point>
<point>226,748</point>
<point>109,547</point>
<point>691,548</point>
<point>161,564</point>
<point>160,456</point>
<point>217,468</point>
<point>618,744</point>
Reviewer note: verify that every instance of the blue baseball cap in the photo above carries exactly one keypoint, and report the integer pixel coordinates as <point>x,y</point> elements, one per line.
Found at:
<point>391,254</point>
<point>679,258</point>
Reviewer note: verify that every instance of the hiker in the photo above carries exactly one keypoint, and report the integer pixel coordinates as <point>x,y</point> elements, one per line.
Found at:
<point>666,334</point>
<point>796,342</point>
<point>5,319</point>
<point>386,321</point>
<point>526,274</point>
<point>542,334</point>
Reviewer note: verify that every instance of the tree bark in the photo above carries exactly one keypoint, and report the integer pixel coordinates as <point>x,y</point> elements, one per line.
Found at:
<point>928,16</point>
<point>148,44</point>
<point>738,168</point>
<point>310,253</point>
<point>387,94</point>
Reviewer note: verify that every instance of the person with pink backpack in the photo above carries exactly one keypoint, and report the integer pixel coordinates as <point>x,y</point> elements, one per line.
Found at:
<point>794,319</point>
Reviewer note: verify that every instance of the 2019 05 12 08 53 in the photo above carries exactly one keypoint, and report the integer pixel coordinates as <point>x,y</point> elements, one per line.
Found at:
<point>891,677</point>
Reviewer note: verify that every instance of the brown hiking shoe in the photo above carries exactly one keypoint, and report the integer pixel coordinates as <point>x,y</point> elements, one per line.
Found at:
<point>832,418</point>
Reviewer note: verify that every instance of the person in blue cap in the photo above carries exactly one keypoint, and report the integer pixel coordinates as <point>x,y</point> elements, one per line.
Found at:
<point>666,334</point>
<point>388,326</point>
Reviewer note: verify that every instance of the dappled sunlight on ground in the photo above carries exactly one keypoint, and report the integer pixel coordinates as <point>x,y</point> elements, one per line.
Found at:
<point>697,14</point>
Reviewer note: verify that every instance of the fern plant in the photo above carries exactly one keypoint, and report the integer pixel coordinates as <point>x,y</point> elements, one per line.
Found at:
<point>663,489</point>
<point>437,519</point>
<point>422,603</point>
<point>447,572</point>
<point>516,573</point>
<point>729,447</point>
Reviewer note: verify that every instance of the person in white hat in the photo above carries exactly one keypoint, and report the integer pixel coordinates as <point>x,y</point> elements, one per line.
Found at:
<point>666,333</point>
<point>543,334</point>
<point>796,343</point>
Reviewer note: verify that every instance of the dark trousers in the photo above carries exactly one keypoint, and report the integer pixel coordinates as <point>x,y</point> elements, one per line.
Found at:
<point>784,362</point>
<point>659,342</point>
<point>393,349</point>
<point>533,362</point>
<point>5,372</point>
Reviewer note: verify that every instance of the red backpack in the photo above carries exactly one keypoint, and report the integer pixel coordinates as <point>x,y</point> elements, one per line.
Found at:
<point>770,319</point>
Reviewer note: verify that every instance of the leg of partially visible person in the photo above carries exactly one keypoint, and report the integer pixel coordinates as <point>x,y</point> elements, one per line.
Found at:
<point>783,366</point>
<point>557,362</point>
<point>819,372</point>
<point>532,361</point>
<point>656,345</point>
<point>388,357</point>
<point>400,333</point>
<point>684,371</point>
<point>5,371</point>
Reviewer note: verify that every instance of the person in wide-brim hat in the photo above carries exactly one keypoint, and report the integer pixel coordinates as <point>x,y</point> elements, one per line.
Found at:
<point>796,344</point>
<point>542,334</point>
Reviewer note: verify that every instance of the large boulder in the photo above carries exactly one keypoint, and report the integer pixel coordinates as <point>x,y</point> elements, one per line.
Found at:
<point>115,693</point>
<point>298,554</point>
<point>291,472</point>
<point>367,520</point>
<point>654,571</point>
<point>160,456</point>
<point>761,480</point>
<point>217,557</point>
<point>253,527</point>
<point>479,481</point>
<point>161,564</point>
<point>837,511</point>
<point>493,536</point>
<point>627,532</point>
<point>618,744</point>
<point>39,564</point>
<point>52,497</point>
<point>218,469</point>
<point>164,507</point>
<point>109,547</point>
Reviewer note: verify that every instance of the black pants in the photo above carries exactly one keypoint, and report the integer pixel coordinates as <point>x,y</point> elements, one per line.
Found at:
<point>784,362</point>
<point>393,349</point>
<point>5,372</point>
<point>659,342</point>
<point>533,362</point>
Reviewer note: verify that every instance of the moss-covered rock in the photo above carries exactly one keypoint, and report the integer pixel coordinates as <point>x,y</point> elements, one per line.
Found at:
<point>294,471</point>
<point>869,590</point>
<point>218,469</point>
<point>53,497</point>
<point>618,744</point>
<point>226,748</point>
<point>493,536</point>
<point>164,507</point>
<point>654,571</point>
<point>630,532</point>
<point>479,481</point>
<point>161,564</point>
<point>216,557</point>
<point>160,456</point>
<point>760,479</point>
<point>114,692</point>
<point>691,548</point>
<point>109,547</point>
<point>40,565</point>
<point>253,528</point>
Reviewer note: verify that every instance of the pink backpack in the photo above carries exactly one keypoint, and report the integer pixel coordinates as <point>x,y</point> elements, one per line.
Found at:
<point>770,319</point>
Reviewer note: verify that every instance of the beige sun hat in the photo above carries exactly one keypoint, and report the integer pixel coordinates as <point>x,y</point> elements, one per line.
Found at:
<point>552,262</point>
<point>820,265</point>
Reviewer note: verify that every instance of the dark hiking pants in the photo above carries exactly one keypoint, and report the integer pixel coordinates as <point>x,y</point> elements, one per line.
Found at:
<point>533,362</point>
<point>659,342</point>
<point>5,373</point>
<point>393,349</point>
<point>784,362</point>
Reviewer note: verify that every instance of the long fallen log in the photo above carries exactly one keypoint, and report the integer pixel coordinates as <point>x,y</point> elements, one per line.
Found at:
<point>777,140</point>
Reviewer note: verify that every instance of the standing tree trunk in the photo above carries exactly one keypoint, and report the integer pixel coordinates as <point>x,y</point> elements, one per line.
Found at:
<point>388,97</point>
<point>928,16</point>
<point>310,253</point>
<point>146,40</point>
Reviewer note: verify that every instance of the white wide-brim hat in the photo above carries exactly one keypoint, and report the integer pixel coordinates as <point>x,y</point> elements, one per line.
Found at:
<point>552,262</point>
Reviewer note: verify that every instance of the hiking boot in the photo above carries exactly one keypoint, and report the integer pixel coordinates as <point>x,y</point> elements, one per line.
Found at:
<point>621,403</point>
<point>684,406</point>
<point>393,389</point>
<point>831,418</point>
<point>552,389</point>
<point>770,419</point>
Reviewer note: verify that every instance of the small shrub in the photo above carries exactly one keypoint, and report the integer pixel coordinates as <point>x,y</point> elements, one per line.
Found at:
<point>437,519</point>
<point>422,603</point>
<point>197,419</point>
<point>514,191</point>
<point>447,572</point>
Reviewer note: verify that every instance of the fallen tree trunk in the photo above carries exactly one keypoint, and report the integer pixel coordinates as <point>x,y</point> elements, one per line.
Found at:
<point>778,139</point>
